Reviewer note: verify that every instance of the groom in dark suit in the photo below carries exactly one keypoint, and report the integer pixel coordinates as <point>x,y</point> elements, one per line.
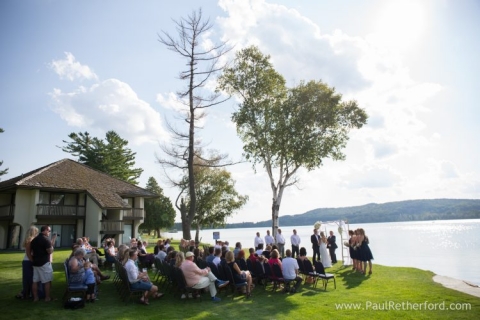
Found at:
<point>332,246</point>
<point>315,239</point>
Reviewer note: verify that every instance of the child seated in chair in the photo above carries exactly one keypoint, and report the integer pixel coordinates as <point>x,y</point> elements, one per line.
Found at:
<point>90,281</point>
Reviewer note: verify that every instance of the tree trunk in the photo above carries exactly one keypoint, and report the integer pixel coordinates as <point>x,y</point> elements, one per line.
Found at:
<point>186,222</point>
<point>197,233</point>
<point>276,201</point>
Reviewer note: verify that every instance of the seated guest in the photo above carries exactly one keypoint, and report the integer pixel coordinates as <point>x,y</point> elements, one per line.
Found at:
<point>259,249</point>
<point>240,260</point>
<point>122,253</point>
<point>226,246</point>
<point>133,243</point>
<point>191,245</point>
<point>78,254</point>
<point>145,258</point>
<point>157,247</point>
<point>171,257</point>
<point>218,256</point>
<point>90,253</point>
<point>211,255</point>
<point>161,254</point>
<point>290,271</point>
<point>167,244</point>
<point>238,248</point>
<point>224,251</point>
<point>76,271</point>
<point>197,258</point>
<point>274,260</point>
<point>240,276</point>
<point>110,252</point>
<point>140,280</point>
<point>303,254</point>
<point>88,247</point>
<point>266,252</point>
<point>253,256</point>
<point>200,278</point>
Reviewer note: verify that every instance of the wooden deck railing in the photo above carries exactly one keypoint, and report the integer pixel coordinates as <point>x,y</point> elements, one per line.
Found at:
<point>114,226</point>
<point>56,210</point>
<point>134,213</point>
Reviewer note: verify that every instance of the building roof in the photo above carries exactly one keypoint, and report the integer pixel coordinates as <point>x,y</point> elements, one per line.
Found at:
<point>69,175</point>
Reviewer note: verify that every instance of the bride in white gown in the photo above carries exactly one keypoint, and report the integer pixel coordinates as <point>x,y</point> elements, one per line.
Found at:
<point>324,255</point>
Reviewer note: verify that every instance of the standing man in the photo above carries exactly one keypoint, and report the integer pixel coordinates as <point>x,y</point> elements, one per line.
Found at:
<point>280,240</point>
<point>258,240</point>
<point>290,271</point>
<point>269,241</point>
<point>42,248</point>
<point>332,246</point>
<point>315,239</point>
<point>295,240</point>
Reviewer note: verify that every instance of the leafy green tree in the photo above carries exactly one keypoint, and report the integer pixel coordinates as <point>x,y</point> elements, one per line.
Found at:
<point>284,129</point>
<point>4,171</point>
<point>110,156</point>
<point>202,64</point>
<point>159,212</point>
<point>216,196</point>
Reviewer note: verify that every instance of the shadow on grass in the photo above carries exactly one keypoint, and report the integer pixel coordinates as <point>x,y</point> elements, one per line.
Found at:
<point>351,278</point>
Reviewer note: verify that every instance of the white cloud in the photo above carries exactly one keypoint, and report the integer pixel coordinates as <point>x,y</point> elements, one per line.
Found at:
<point>71,69</point>
<point>110,105</point>
<point>386,158</point>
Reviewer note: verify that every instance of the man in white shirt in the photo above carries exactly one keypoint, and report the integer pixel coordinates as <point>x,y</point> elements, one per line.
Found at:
<point>218,257</point>
<point>258,240</point>
<point>280,240</point>
<point>290,272</point>
<point>269,241</point>
<point>295,240</point>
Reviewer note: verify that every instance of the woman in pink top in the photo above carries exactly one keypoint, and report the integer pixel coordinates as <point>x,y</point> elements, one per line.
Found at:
<point>274,259</point>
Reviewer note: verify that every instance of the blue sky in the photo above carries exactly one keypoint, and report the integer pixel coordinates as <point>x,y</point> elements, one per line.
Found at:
<point>71,66</point>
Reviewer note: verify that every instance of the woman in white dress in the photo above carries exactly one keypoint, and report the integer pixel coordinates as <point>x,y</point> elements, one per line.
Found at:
<point>324,255</point>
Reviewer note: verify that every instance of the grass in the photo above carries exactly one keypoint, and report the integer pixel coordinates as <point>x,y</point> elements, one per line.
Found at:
<point>386,285</point>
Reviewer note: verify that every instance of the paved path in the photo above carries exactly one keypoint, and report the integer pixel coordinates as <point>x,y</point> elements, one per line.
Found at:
<point>458,285</point>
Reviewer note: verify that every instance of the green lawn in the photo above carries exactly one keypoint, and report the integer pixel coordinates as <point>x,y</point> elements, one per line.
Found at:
<point>387,286</point>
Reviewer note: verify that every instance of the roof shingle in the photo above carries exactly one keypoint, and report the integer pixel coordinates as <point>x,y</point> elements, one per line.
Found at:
<point>69,175</point>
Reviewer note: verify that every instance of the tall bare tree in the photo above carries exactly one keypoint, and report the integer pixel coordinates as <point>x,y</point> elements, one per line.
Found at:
<point>4,171</point>
<point>203,63</point>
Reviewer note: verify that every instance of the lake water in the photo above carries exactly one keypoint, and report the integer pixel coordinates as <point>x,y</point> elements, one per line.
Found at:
<point>446,247</point>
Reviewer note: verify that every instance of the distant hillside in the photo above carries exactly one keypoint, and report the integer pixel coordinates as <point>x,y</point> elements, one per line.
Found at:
<point>410,210</point>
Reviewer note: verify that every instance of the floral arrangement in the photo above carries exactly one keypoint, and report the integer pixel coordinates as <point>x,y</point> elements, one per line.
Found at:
<point>346,243</point>
<point>340,230</point>
<point>317,225</point>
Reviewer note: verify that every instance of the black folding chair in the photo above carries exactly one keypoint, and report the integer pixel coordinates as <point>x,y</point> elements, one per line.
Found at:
<point>236,287</point>
<point>324,276</point>
<point>182,286</point>
<point>73,289</point>
<point>310,272</point>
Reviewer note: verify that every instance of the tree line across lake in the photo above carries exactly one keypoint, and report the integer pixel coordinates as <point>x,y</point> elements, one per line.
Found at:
<point>410,210</point>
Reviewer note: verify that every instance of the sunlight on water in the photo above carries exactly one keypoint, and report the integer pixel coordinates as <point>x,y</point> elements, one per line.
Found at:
<point>446,247</point>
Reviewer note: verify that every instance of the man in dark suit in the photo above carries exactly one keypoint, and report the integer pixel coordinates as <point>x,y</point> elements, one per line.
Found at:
<point>315,239</point>
<point>332,246</point>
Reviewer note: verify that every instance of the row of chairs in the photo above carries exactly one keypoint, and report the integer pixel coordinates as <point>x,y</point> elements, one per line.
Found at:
<point>306,269</point>
<point>172,278</point>
<point>223,272</point>
<point>72,289</point>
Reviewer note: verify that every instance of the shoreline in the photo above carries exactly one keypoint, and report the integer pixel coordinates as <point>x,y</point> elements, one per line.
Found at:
<point>458,285</point>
